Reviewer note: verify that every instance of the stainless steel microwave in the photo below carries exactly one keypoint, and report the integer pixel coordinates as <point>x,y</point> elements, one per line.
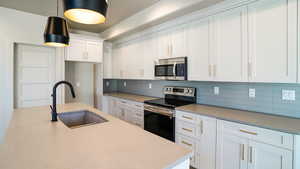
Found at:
<point>171,69</point>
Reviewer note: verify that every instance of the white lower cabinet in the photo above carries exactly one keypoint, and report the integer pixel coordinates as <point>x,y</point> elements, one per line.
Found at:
<point>240,147</point>
<point>129,111</point>
<point>199,134</point>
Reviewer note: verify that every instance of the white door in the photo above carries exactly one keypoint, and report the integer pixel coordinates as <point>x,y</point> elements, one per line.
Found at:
<point>230,45</point>
<point>198,51</point>
<point>34,75</point>
<point>231,151</point>
<point>263,156</point>
<point>273,41</point>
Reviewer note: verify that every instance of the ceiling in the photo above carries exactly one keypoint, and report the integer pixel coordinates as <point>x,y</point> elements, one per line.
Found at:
<point>118,10</point>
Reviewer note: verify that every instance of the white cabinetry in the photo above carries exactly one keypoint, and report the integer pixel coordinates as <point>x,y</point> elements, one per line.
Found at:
<point>241,146</point>
<point>199,134</point>
<point>172,43</point>
<point>199,60</point>
<point>107,60</point>
<point>229,45</point>
<point>129,111</point>
<point>84,49</point>
<point>273,41</point>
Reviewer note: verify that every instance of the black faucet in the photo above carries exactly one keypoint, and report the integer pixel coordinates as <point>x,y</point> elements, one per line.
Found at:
<point>53,107</point>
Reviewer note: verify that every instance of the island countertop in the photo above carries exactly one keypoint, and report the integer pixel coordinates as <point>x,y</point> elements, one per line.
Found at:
<point>32,141</point>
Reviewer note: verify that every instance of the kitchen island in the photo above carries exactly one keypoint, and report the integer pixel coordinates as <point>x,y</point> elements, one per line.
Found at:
<point>32,141</point>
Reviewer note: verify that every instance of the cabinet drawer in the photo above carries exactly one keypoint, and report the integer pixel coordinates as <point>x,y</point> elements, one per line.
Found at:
<point>187,117</point>
<point>187,142</point>
<point>188,129</point>
<point>267,136</point>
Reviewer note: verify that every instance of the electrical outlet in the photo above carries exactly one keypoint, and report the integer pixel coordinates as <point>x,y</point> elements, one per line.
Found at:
<point>289,95</point>
<point>124,84</point>
<point>107,83</point>
<point>251,93</point>
<point>216,90</point>
<point>150,85</point>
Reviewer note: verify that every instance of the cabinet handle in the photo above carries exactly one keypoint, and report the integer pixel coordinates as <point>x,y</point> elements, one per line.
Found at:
<point>189,130</point>
<point>209,70</point>
<point>171,50</point>
<point>201,125</point>
<point>215,70</point>
<point>248,132</point>
<point>251,154</point>
<point>249,69</point>
<point>186,117</point>
<point>243,151</point>
<point>188,144</point>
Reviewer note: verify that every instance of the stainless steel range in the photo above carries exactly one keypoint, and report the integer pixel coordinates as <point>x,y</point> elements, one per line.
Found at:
<point>159,114</point>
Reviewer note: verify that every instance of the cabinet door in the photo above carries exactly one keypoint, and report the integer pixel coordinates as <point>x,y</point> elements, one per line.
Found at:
<point>116,64</point>
<point>273,41</point>
<point>163,45</point>
<point>198,51</point>
<point>178,42</point>
<point>107,61</point>
<point>231,151</point>
<point>94,51</point>
<point>149,54</point>
<point>230,45</point>
<point>263,156</point>
<point>77,50</point>
<point>207,143</point>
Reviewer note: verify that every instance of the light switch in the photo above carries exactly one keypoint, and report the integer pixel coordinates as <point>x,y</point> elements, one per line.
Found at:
<point>216,90</point>
<point>150,85</point>
<point>124,84</point>
<point>77,84</point>
<point>251,93</point>
<point>289,95</point>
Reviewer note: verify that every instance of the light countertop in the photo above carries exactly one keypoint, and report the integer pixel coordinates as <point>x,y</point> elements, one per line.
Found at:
<point>279,123</point>
<point>32,141</point>
<point>132,97</point>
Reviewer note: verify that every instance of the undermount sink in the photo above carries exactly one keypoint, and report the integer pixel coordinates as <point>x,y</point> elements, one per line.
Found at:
<point>80,118</point>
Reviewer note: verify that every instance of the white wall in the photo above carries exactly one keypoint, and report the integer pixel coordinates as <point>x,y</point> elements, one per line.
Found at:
<point>81,75</point>
<point>17,27</point>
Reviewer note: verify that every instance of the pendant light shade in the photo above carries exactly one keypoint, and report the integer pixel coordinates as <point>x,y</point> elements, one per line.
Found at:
<point>86,11</point>
<point>56,32</point>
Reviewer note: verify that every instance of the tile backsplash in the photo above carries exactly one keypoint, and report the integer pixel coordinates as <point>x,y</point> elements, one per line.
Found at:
<point>268,96</point>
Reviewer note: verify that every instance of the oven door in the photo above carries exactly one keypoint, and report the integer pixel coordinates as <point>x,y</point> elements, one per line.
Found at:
<point>159,121</point>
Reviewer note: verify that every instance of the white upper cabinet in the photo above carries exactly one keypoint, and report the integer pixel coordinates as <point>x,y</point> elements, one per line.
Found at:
<point>178,41</point>
<point>171,43</point>
<point>83,49</point>
<point>198,50</point>
<point>229,45</point>
<point>148,57</point>
<point>273,41</point>
<point>163,45</point>
<point>107,61</point>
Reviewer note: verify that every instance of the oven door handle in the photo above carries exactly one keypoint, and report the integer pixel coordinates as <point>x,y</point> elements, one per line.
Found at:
<point>171,115</point>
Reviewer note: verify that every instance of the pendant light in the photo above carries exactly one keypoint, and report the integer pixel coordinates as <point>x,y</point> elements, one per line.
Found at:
<point>86,11</point>
<point>56,33</point>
